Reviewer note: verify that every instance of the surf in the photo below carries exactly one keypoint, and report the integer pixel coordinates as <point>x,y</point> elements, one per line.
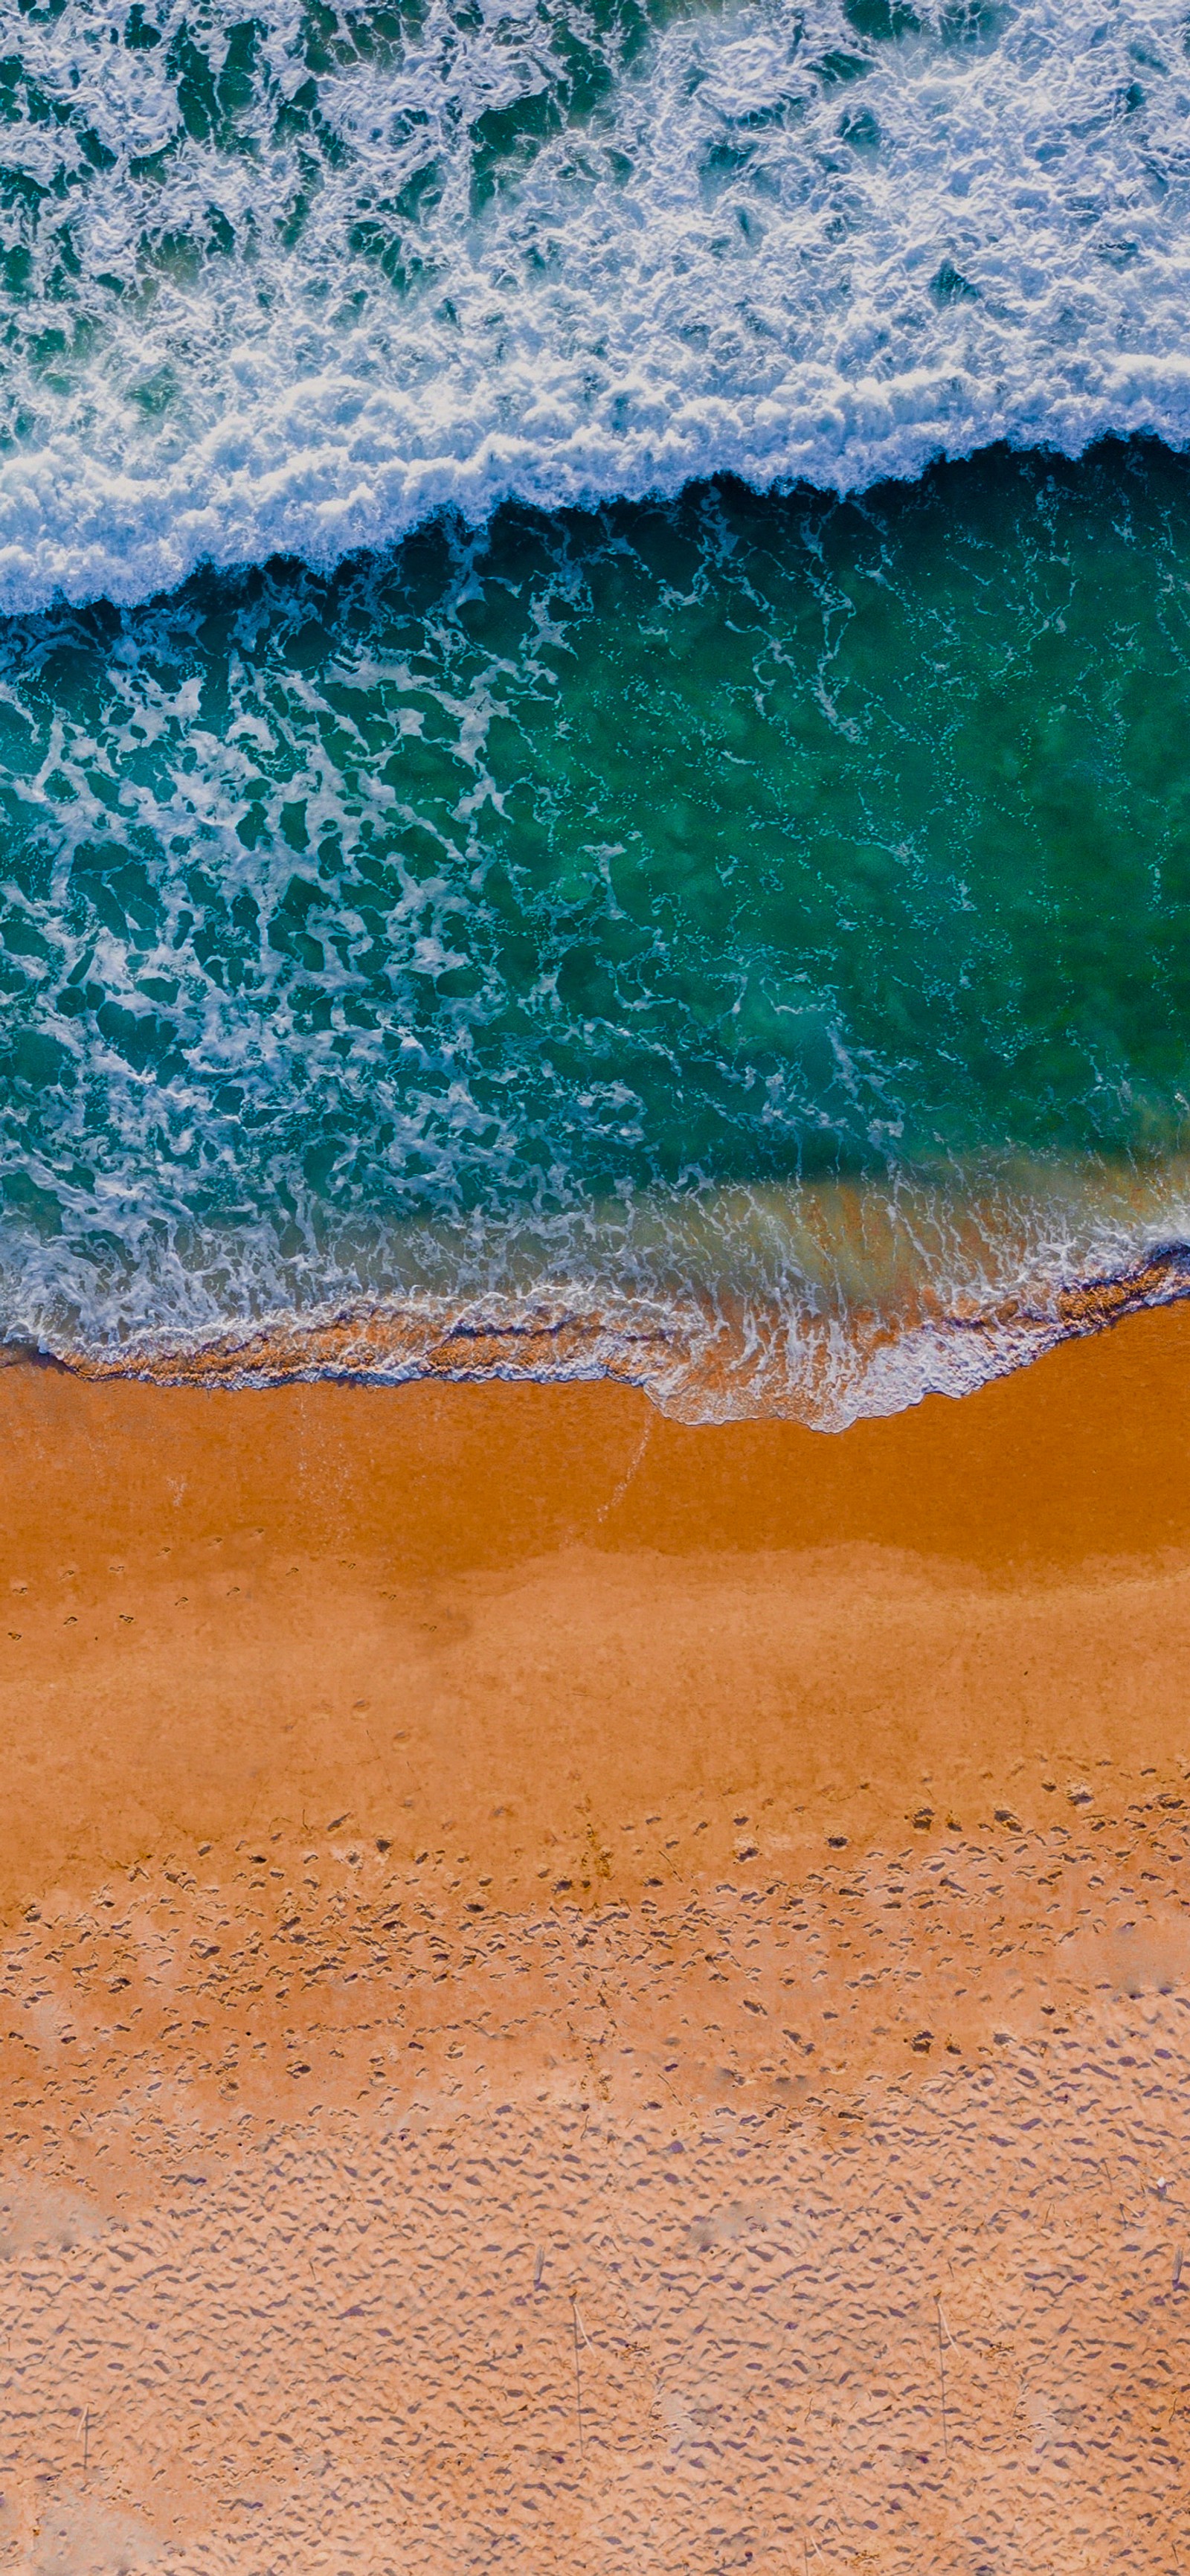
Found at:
<point>737,944</point>
<point>290,283</point>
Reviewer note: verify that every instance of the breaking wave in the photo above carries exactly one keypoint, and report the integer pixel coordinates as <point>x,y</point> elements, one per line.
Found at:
<point>289,280</point>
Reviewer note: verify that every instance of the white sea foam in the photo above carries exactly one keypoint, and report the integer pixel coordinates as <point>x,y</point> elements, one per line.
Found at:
<point>773,246</point>
<point>823,1304</point>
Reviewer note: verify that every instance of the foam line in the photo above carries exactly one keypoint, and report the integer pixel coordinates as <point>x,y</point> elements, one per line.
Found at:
<point>265,291</point>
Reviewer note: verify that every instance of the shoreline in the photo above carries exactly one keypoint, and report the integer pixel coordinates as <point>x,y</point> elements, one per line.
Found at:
<point>321,1597</point>
<point>694,1358</point>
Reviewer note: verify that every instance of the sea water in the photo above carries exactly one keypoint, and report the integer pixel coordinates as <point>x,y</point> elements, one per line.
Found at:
<point>594,692</point>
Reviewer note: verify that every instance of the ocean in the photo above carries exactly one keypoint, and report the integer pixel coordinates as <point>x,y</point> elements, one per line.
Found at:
<point>594,691</point>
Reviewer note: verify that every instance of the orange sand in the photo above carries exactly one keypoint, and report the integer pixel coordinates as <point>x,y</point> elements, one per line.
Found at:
<point>587,1995</point>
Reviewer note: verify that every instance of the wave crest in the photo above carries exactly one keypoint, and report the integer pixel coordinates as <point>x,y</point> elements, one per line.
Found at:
<point>289,284</point>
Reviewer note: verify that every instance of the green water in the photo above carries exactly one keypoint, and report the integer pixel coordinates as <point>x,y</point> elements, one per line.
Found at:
<point>515,890</point>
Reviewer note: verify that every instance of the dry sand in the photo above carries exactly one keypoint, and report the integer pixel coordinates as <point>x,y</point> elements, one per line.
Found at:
<point>585,1995</point>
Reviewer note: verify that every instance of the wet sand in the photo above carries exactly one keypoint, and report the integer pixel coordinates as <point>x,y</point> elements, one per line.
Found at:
<point>585,1994</point>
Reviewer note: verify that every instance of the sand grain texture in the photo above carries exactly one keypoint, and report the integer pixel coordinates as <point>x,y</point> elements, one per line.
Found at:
<point>578,1994</point>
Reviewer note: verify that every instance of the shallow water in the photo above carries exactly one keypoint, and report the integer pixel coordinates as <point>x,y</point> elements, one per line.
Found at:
<point>554,918</point>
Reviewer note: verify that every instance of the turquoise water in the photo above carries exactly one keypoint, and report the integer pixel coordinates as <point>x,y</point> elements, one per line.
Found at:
<point>565,911</point>
<point>523,850</point>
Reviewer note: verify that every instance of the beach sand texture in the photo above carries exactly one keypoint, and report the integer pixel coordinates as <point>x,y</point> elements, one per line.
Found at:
<point>583,1994</point>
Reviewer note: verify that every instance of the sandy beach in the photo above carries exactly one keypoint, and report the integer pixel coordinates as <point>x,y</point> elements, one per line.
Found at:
<point>586,1994</point>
